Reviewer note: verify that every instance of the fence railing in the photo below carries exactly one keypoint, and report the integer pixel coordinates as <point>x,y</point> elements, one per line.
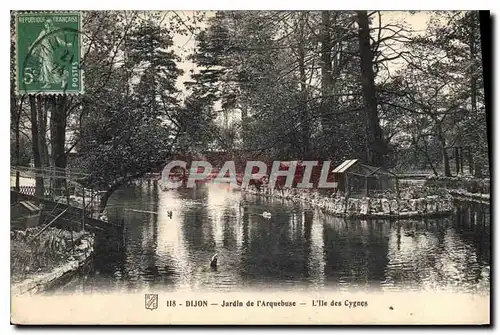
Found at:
<point>31,190</point>
<point>91,202</point>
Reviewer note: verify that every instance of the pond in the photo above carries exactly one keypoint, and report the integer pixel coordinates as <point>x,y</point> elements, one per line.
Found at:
<point>298,248</point>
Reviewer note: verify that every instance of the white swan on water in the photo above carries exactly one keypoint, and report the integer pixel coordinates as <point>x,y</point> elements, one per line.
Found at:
<point>266,215</point>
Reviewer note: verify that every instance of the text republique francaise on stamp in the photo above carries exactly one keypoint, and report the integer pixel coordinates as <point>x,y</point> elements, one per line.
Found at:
<point>48,53</point>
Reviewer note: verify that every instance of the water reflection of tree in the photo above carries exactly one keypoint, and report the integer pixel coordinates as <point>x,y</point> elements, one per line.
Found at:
<point>245,221</point>
<point>196,224</point>
<point>139,261</point>
<point>275,249</point>
<point>125,264</point>
<point>313,235</point>
<point>307,218</point>
<point>412,252</point>
<point>148,262</point>
<point>440,252</point>
<point>213,225</point>
<point>355,250</point>
<point>231,228</point>
<point>473,223</point>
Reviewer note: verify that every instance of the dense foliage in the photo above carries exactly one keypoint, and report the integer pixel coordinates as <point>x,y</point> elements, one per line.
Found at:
<point>313,85</point>
<point>325,85</point>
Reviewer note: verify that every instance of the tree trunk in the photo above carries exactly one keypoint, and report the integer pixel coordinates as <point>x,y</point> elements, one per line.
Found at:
<point>15,109</point>
<point>442,142</point>
<point>484,26</point>
<point>105,197</point>
<point>375,145</point>
<point>244,127</point>
<point>446,162</point>
<point>427,156</point>
<point>103,201</point>
<point>39,188</point>
<point>478,171</point>
<point>473,55</point>
<point>18,154</point>
<point>470,161</point>
<point>326,71</point>
<point>473,80</point>
<point>58,141</point>
<point>304,115</point>
<point>42,131</point>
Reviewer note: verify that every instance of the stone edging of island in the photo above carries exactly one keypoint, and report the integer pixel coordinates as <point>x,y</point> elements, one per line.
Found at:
<point>481,197</point>
<point>42,282</point>
<point>365,207</point>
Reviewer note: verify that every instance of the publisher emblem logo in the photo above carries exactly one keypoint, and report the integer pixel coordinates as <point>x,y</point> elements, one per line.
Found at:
<point>151,301</point>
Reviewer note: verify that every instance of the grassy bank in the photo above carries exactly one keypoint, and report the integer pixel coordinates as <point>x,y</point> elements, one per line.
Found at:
<point>32,256</point>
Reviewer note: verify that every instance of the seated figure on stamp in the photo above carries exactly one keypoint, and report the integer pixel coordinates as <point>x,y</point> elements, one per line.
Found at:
<point>43,48</point>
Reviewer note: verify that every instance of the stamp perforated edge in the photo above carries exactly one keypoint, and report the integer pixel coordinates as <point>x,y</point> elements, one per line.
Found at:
<point>15,15</point>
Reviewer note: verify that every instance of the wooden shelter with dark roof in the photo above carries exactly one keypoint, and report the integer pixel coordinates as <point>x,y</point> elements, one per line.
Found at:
<point>355,178</point>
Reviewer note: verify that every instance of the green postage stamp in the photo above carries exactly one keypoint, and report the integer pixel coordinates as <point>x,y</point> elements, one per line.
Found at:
<point>48,53</point>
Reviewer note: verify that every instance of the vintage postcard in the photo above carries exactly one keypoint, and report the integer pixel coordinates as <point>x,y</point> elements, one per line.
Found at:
<point>250,167</point>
